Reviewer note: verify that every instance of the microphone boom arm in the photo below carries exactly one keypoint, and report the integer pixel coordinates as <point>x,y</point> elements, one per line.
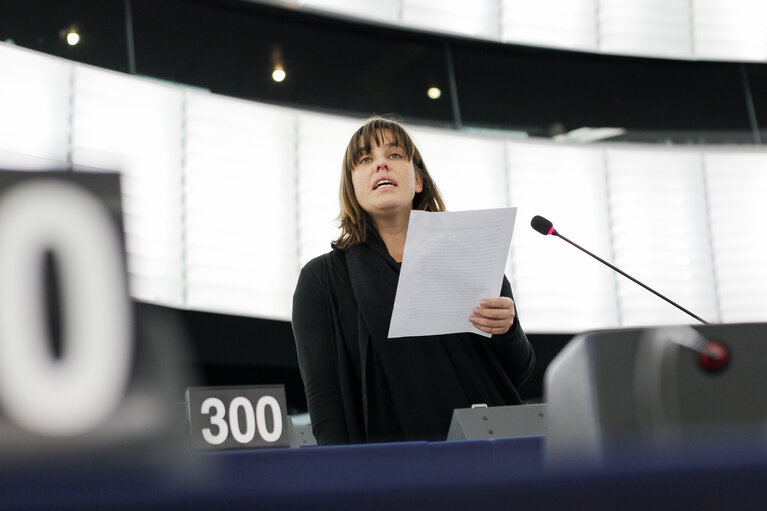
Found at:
<point>555,233</point>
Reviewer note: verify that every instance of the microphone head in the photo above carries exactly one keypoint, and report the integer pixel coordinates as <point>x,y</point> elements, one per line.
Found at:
<point>542,225</point>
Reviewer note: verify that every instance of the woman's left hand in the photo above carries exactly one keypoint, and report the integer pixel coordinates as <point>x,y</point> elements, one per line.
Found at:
<point>494,315</point>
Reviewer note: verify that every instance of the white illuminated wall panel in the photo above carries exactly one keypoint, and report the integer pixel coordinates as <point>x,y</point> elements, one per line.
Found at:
<point>224,200</point>
<point>469,171</point>
<point>684,29</point>
<point>134,126</point>
<point>559,288</point>
<point>321,145</point>
<point>550,23</point>
<point>660,235</point>
<point>478,18</point>
<point>650,27</point>
<point>35,97</point>
<point>241,253</point>
<point>378,10</point>
<point>737,191</point>
<point>735,29</point>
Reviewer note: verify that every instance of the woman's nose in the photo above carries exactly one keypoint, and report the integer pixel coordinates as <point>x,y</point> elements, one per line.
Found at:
<point>381,163</point>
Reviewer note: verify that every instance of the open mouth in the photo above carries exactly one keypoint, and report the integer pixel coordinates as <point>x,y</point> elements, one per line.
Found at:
<point>384,183</point>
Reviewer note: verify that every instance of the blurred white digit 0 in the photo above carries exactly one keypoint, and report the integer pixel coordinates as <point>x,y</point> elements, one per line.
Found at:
<point>78,391</point>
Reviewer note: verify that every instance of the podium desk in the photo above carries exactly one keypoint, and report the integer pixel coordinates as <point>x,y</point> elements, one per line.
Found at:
<point>481,474</point>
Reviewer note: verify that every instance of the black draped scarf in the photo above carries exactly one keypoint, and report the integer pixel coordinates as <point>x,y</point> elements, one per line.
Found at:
<point>410,386</point>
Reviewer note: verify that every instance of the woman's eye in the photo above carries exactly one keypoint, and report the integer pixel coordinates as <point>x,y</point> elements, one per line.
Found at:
<point>365,159</point>
<point>395,155</point>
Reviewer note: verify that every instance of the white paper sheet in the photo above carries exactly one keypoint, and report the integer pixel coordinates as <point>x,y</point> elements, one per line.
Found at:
<point>451,261</point>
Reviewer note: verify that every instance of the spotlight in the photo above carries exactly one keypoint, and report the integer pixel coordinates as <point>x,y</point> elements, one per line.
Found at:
<point>278,74</point>
<point>434,92</point>
<point>73,38</point>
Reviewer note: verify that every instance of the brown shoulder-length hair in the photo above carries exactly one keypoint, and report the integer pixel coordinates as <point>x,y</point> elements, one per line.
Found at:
<point>356,225</point>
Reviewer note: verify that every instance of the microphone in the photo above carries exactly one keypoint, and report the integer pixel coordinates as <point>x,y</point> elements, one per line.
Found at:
<point>545,227</point>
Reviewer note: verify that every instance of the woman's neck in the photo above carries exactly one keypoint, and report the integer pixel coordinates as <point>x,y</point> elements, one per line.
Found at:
<point>393,234</point>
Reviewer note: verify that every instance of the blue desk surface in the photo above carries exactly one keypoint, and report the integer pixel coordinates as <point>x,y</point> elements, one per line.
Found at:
<point>487,474</point>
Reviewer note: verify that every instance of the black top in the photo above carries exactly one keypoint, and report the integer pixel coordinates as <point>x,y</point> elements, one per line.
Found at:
<point>408,387</point>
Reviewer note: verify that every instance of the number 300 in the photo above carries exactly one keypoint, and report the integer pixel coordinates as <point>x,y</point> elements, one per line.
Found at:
<point>253,420</point>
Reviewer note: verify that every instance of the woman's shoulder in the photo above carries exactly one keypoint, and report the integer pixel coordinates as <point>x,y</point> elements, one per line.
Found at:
<point>324,262</point>
<point>323,272</point>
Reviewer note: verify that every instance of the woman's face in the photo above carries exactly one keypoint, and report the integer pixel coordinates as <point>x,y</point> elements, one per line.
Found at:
<point>384,180</point>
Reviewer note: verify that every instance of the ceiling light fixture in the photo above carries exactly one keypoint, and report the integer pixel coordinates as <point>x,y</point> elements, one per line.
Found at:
<point>434,92</point>
<point>73,37</point>
<point>278,65</point>
<point>278,74</point>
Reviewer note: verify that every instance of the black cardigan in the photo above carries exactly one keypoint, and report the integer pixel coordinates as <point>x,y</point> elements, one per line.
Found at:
<point>407,388</point>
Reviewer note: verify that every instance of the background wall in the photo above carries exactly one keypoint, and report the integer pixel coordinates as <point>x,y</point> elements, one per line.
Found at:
<point>230,178</point>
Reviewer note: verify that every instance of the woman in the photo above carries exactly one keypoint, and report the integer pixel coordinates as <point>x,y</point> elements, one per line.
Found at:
<point>361,386</point>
